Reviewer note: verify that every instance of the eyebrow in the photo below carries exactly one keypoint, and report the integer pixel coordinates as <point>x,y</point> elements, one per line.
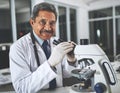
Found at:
<point>46,20</point>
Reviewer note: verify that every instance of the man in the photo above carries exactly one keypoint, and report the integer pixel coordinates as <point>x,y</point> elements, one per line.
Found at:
<point>34,68</point>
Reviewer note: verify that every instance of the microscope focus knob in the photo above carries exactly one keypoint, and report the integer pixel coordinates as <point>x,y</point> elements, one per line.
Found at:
<point>100,88</point>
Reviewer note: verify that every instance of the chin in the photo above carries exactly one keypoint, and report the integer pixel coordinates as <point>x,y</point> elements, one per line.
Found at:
<point>46,38</point>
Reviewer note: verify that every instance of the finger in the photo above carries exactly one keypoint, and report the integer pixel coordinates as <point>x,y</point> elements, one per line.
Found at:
<point>64,44</point>
<point>72,42</point>
<point>68,50</point>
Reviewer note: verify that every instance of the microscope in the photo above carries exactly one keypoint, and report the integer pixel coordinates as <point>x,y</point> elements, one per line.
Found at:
<point>94,71</point>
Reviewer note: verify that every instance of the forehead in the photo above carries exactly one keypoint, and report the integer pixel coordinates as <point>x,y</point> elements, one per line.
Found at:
<point>46,15</point>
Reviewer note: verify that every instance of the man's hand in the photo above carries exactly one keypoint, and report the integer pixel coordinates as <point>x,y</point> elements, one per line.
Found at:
<point>71,56</point>
<point>59,52</point>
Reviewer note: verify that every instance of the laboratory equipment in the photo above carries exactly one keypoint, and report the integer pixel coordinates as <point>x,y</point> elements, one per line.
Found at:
<point>94,71</point>
<point>5,77</point>
<point>116,64</point>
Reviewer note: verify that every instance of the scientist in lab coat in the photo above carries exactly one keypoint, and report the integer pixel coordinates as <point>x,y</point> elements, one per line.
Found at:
<point>31,68</point>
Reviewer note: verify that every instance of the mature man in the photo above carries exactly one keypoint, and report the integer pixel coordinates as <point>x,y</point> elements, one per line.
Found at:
<point>35,63</point>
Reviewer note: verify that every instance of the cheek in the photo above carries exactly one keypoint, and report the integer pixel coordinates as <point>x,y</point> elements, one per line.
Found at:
<point>54,29</point>
<point>37,28</point>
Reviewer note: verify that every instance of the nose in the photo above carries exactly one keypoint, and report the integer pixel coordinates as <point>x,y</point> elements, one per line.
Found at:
<point>47,26</point>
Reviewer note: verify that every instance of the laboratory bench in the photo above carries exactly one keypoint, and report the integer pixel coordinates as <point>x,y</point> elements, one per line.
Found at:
<point>9,89</point>
<point>57,90</point>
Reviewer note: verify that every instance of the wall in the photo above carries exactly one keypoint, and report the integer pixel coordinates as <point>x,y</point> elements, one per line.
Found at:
<point>33,2</point>
<point>103,4</point>
<point>82,24</point>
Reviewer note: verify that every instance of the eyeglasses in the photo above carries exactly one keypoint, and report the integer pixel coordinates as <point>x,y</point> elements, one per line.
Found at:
<point>44,21</point>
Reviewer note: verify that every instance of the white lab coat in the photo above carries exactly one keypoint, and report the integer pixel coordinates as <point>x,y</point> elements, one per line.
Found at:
<point>26,76</point>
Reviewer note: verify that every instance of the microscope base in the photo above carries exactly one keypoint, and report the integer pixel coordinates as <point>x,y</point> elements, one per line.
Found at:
<point>76,89</point>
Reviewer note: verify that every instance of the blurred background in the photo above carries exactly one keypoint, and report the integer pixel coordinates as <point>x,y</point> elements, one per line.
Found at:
<point>82,21</point>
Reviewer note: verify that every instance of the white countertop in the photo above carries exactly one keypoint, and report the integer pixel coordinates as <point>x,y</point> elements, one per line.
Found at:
<point>57,90</point>
<point>67,90</point>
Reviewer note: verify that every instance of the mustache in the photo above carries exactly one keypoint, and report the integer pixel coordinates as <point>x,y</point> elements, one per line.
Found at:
<point>46,31</point>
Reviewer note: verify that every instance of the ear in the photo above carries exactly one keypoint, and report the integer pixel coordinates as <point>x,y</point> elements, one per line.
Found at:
<point>31,22</point>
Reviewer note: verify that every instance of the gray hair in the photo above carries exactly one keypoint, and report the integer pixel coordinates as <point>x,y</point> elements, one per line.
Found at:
<point>45,7</point>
